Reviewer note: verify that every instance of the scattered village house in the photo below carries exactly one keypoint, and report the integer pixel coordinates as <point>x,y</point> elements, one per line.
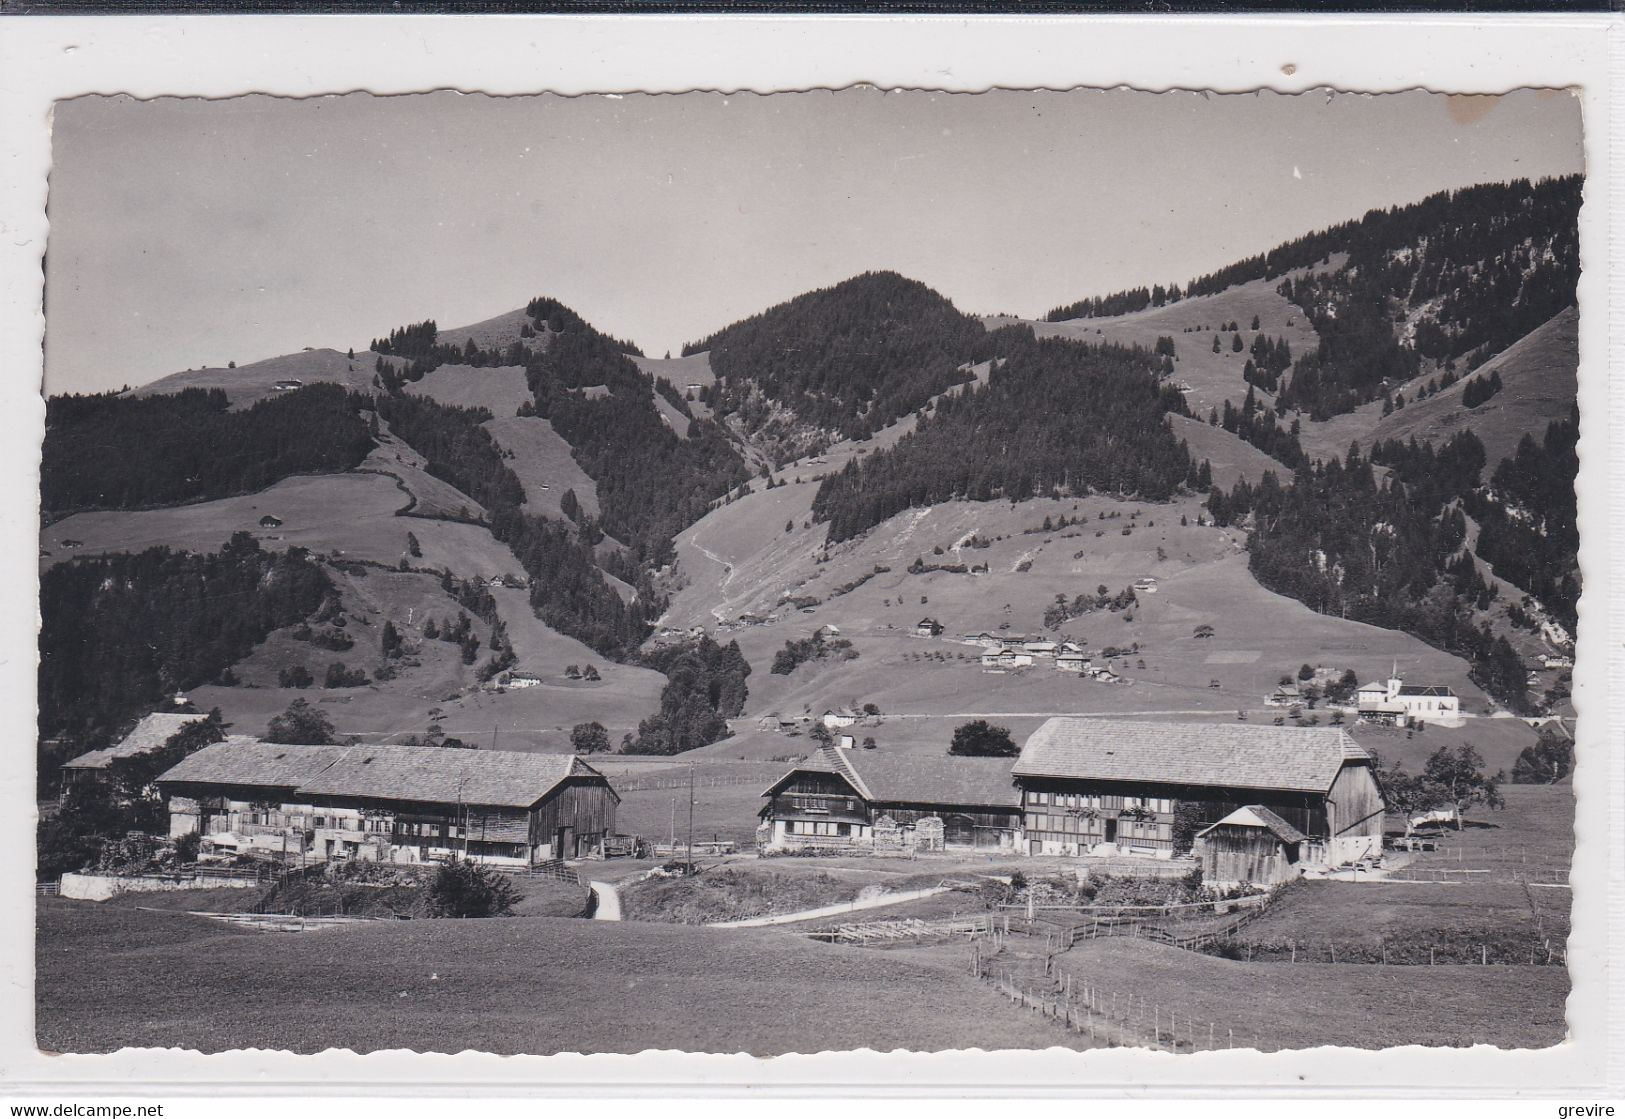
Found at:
<point>1101,786</point>
<point>1285,695</point>
<point>862,802</point>
<point>927,627</point>
<point>521,679</point>
<point>1147,585</point>
<point>1068,661</point>
<point>405,804</point>
<point>1004,659</point>
<point>1401,704</point>
<point>149,735</point>
<point>837,717</point>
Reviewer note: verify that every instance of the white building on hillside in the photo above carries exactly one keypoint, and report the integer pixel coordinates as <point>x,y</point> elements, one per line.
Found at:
<point>1403,704</point>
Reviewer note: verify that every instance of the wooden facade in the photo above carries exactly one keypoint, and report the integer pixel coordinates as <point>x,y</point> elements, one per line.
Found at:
<point>1233,855</point>
<point>570,820</point>
<point>820,808</point>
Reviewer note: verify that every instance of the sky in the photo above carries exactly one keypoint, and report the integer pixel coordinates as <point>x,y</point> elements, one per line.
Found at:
<point>189,232</point>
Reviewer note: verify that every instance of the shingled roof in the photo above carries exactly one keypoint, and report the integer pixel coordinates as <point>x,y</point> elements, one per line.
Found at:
<point>425,774</point>
<point>149,734</point>
<point>1225,755</point>
<point>252,762</point>
<point>917,778</point>
<point>1257,816</point>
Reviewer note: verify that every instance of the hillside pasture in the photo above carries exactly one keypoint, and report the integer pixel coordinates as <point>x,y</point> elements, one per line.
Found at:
<point>249,384</point>
<point>1213,377</point>
<point>109,977</point>
<point>1232,458</point>
<point>496,333</point>
<point>544,465</point>
<point>350,512</point>
<point>427,496</point>
<point>499,389</point>
<point>1540,378</point>
<point>739,558</point>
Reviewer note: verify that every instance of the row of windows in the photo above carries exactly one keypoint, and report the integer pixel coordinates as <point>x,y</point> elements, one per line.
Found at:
<point>824,803</point>
<point>1076,825</point>
<point>1090,800</point>
<point>818,827</point>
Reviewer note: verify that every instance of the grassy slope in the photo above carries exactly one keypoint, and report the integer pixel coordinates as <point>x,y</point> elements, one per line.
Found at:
<point>109,977</point>
<point>1213,377</point>
<point>248,384</point>
<point>1540,377</point>
<point>499,389</point>
<point>429,496</point>
<point>544,465</point>
<point>1204,579</point>
<point>1231,457</point>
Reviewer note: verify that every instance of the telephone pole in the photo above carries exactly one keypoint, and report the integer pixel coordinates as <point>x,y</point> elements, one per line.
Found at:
<point>690,869</point>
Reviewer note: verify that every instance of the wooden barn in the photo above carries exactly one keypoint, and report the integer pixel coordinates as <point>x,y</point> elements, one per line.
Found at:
<point>1146,788</point>
<point>148,736</point>
<point>841,800</point>
<point>1250,847</point>
<point>405,804</point>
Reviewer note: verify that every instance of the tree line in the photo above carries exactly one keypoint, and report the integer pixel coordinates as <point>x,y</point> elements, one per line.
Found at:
<point>705,687</point>
<point>106,451</point>
<point>120,633</point>
<point>1054,417</point>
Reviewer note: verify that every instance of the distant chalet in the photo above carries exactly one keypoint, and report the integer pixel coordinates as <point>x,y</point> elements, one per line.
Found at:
<point>402,804</point>
<point>1099,785</point>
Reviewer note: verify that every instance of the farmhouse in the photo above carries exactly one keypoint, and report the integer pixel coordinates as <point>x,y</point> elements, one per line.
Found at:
<point>835,800</point>
<point>1002,660</point>
<point>288,385</point>
<point>1402,704</point>
<point>1286,695</point>
<point>927,627</point>
<point>148,735</point>
<point>985,639</point>
<point>522,680</point>
<point>270,520</point>
<point>405,804</point>
<point>1549,661</point>
<point>1040,648</point>
<point>1071,662</point>
<point>837,717</point>
<point>1099,786</point>
<point>1148,585</point>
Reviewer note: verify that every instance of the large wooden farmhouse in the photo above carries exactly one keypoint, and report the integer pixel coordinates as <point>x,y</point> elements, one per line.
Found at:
<point>1101,786</point>
<point>404,804</point>
<point>838,799</point>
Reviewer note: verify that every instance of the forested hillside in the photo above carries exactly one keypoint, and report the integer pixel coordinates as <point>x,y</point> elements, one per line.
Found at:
<point>849,359</point>
<point>122,632</point>
<point>567,589</point>
<point>652,481</point>
<point>1449,281</point>
<point>108,451</point>
<point>1054,417</point>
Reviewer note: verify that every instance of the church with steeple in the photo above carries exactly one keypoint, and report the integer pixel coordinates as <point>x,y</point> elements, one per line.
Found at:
<point>1399,704</point>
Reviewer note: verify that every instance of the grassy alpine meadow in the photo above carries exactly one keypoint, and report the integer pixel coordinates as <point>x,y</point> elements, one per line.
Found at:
<point>110,977</point>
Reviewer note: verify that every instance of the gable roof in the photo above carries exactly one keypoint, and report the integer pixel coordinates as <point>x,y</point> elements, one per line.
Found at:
<point>426,774</point>
<point>1226,755</point>
<point>1426,690</point>
<point>1257,816</point>
<point>918,779</point>
<point>149,734</point>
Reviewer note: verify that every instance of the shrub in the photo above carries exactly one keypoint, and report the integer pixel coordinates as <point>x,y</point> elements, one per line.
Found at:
<point>465,889</point>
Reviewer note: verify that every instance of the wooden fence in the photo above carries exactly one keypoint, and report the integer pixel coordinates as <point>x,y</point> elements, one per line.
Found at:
<point>716,781</point>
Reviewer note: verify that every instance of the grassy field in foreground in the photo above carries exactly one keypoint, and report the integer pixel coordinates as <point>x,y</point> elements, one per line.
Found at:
<point>110,977</point>
<point>1295,1006</point>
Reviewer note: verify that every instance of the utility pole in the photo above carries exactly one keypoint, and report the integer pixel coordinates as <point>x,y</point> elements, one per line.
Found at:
<point>690,870</point>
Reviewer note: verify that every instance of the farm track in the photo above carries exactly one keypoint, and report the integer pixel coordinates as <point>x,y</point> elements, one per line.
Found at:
<point>608,906</point>
<point>831,910</point>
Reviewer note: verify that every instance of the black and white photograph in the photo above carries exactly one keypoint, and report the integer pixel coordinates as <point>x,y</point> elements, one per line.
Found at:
<point>804,572</point>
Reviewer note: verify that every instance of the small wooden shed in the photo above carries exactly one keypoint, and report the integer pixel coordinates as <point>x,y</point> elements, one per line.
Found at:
<point>1251,846</point>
